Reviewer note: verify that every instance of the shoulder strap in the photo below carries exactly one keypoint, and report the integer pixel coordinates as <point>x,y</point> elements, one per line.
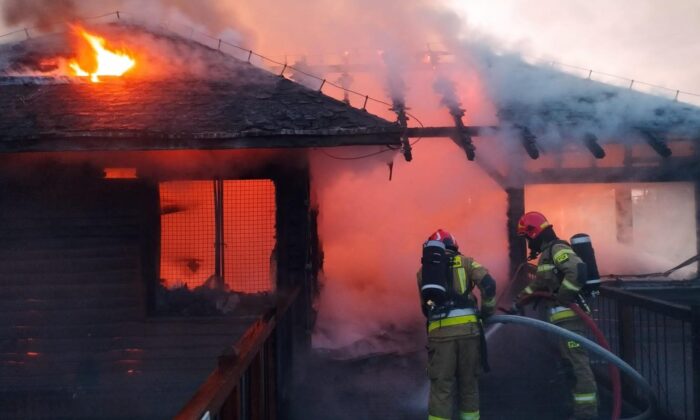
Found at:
<point>464,282</point>
<point>556,242</point>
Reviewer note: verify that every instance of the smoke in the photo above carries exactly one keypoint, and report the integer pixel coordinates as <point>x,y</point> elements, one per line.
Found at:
<point>446,89</point>
<point>373,229</point>
<point>217,16</point>
<point>558,106</point>
<point>635,228</point>
<point>42,14</point>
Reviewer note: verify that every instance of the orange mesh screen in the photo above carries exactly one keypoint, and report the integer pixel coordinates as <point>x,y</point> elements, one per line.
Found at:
<point>249,235</point>
<point>188,234</point>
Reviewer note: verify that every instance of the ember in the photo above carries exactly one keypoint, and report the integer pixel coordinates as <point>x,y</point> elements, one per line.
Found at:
<point>101,60</point>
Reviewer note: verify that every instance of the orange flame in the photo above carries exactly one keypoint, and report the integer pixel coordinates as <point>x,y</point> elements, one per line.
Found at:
<point>108,62</point>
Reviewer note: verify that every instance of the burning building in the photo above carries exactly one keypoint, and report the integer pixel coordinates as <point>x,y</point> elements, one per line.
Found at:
<point>158,223</point>
<point>155,218</point>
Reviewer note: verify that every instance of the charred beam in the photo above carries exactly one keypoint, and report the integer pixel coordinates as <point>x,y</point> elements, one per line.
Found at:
<point>529,142</point>
<point>591,142</point>
<point>461,137</point>
<point>677,170</point>
<point>402,119</point>
<point>472,131</point>
<point>452,132</point>
<point>517,248</point>
<point>657,143</point>
<point>138,141</point>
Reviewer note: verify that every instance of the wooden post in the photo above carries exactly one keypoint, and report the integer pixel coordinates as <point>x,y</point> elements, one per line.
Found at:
<point>517,248</point>
<point>695,345</point>
<point>624,221</point>
<point>219,231</point>
<point>294,237</point>
<point>150,244</point>
<point>697,218</point>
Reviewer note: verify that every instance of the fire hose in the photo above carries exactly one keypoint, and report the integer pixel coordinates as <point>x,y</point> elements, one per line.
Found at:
<point>602,348</point>
<point>590,346</point>
<point>600,338</point>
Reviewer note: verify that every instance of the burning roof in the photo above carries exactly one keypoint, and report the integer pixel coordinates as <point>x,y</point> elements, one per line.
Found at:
<point>179,95</point>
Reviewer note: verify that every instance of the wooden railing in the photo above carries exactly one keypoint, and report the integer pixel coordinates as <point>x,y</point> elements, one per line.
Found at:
<point>661,340</point>
<point>245,383</point>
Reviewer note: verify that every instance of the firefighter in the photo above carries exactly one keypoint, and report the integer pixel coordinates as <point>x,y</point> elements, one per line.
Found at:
<point>455,335</point>
<point>561,272</point>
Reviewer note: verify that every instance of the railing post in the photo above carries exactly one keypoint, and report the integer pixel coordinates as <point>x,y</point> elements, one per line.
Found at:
<point>271,376</point>
<point>625,316</point>
<point>695,343</point>
<point>258,386</point>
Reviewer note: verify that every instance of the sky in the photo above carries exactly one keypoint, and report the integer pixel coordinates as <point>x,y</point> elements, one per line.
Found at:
<point>653,41</point>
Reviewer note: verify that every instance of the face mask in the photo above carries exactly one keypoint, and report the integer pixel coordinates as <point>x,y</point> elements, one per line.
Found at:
<point>534,246</point>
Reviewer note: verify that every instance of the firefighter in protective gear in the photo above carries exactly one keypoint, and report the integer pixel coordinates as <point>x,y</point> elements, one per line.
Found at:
<point>455,339</point>
<point>561,272</point>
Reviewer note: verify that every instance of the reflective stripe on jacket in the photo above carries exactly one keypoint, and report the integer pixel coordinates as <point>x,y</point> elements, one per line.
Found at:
<point>557,273</point>
<point>466,275</point>
<point>560,313</point>
<point>454,317</point>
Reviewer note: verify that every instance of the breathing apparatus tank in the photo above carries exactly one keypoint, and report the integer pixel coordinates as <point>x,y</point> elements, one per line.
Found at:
<point>434,287</point>
<point>582,246</point>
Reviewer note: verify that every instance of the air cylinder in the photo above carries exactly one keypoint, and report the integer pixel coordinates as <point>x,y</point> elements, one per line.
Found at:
<point>583,247</point>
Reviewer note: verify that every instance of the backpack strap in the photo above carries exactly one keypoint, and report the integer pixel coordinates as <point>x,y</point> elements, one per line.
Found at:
<point>558,273</point>
<point>556,242</point>
<point>460,291</point>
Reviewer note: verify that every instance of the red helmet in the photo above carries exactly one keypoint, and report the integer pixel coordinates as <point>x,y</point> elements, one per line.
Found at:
<point>446,238</point>
<point>531,224</point>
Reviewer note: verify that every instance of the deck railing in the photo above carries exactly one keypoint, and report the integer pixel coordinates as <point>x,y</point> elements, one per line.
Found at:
<point>245,385</point>
<point>661,340</point>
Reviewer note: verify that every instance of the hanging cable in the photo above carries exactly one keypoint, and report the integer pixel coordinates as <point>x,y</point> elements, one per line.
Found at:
<point>389,148</point>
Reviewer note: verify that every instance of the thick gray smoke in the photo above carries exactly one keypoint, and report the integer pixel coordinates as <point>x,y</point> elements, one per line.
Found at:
<point>216,16</point>
<point>43,14</point>
<point>560,107</point>
<point>447,91</point>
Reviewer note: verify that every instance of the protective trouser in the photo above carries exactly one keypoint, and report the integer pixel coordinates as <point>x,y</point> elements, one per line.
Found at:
<point>585,390</point>
<point>454,363</point>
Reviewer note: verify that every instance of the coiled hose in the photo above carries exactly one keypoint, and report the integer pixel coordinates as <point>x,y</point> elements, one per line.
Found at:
<point>590,346</point>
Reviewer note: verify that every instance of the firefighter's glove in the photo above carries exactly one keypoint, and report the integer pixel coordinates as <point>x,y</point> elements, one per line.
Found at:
<point>515,309</point>
<point>486,313</point>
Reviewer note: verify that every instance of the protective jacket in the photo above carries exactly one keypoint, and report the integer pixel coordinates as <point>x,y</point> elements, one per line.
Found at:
<point>462,319</point>
<point>454,342</point>
<point>561,272</point>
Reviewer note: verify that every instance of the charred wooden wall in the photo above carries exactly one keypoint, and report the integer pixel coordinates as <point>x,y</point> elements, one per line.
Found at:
<point>79,258</point>
<point>299,259</point>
